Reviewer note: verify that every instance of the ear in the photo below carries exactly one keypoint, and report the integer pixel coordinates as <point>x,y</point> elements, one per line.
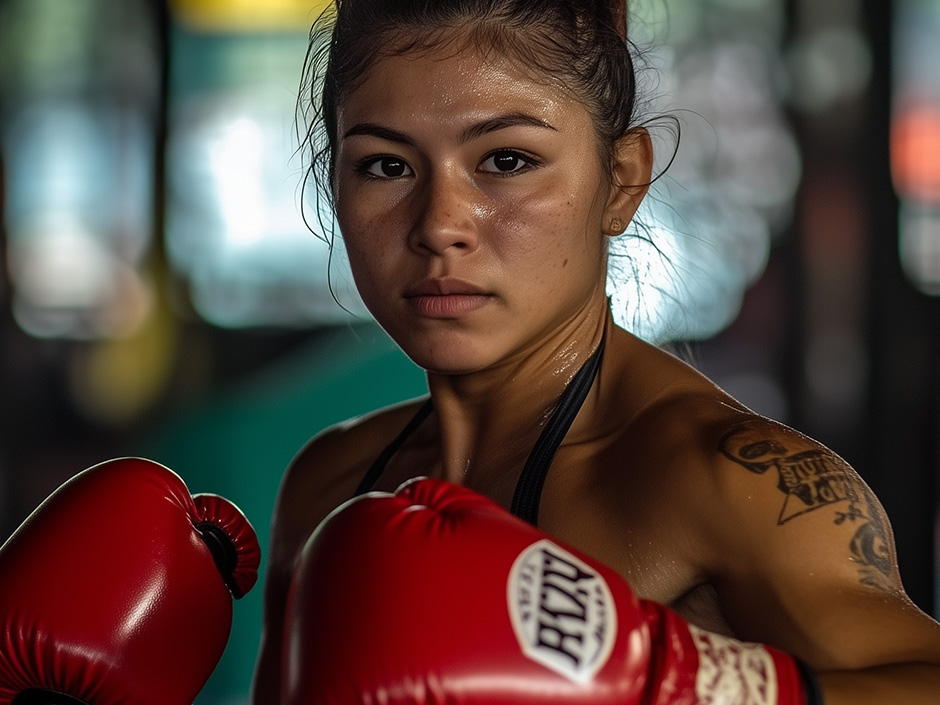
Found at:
<point>631,172</point>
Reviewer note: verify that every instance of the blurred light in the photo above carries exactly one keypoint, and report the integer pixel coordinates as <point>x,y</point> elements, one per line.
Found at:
<point>662,24</point>
<point>79,83</point>
<point>246,15</point>
<point>234,230</point>
<point>915,49</point>
<point>66,284</point>
<point>829,66</point>
<point>741,152</point>
<point>915,153</point>
<point>748,4</point>
<point>920,246</point>
<point>114,380</point>
<point>45,43</point>
<point>682,277</point>
<point>91,160</point>
<point>704,233</point>
<point>60,265</point>
<point>915,140</point>
<point>235,162</point>
<point>78,211</point>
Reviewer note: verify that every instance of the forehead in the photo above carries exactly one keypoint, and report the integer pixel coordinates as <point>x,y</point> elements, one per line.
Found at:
<point>434,86</point>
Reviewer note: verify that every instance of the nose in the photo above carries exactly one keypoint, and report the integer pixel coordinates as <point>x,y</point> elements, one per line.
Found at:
<point>446,218</point>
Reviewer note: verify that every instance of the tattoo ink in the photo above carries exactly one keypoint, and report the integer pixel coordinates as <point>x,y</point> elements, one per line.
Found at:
<point>871,547</point>
<point>814,479</point>
<point>810,479</point>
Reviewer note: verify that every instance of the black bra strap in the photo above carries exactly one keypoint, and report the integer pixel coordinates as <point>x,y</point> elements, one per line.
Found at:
<point>371,477</point>
<point>525,501</point>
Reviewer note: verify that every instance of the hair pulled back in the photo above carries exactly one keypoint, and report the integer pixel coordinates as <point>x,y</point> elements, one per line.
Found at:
<point>580,44</point>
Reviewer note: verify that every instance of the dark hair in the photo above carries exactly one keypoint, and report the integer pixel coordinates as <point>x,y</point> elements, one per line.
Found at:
<point>582,44</point>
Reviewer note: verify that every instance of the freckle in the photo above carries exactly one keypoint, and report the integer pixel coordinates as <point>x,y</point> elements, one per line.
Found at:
<point>565,263</point>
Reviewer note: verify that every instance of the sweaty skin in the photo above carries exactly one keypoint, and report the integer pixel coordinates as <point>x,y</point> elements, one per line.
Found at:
<point>476,210</point>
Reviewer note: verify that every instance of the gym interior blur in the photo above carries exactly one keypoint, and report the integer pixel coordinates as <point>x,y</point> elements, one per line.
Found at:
<point>166,289</point>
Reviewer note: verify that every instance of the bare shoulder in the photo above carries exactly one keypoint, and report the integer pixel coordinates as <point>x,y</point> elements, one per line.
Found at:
<point>697,433</point>
<point>786,531</point>
<point>740,483</point>
<point>751,476</point>
<point>792,542</point>
<point>324,474</point>
<point>808,475</point>
<point>815,503</point>
<point>327,471</point>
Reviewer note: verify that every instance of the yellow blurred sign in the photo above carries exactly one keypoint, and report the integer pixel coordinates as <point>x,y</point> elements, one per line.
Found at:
<point>246,15</point>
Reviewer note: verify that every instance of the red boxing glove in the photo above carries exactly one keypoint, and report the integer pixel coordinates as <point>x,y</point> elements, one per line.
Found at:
<point>438,595</point>
<point>117,590</point>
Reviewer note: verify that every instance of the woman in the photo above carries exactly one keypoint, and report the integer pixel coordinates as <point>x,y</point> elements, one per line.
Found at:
<point>481,154</point>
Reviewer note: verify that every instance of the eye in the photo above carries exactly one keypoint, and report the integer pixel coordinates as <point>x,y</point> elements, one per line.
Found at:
<point>505,162</point>
<point>385,168</point>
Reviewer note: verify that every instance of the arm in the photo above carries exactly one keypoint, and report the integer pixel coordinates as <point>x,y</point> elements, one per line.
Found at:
<point>315,482</point>
<point>810,567</point>
<point>265,686</point>
<point>266,683</point>
<point>322,476</point>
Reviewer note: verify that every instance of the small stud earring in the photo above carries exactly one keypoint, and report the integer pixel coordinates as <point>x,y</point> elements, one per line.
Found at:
<point>616,227</point>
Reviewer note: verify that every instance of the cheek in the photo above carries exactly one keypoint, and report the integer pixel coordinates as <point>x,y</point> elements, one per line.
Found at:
<point>365,235</point>
<point>371,218</point>
<point>371,271</point>
<point>365,264</point>
<point>371,279</point>
<point>553,226</point>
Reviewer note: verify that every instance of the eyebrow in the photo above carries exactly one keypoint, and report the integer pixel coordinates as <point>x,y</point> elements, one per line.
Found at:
<point>476,130</point>
<point>374,130</point>
<point>501,122</point>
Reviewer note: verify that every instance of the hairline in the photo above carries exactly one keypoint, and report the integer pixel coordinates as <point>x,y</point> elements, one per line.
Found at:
<point>427,41</point>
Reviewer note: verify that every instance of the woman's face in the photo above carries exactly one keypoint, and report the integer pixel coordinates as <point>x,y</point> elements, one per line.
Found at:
<point>473,206</point>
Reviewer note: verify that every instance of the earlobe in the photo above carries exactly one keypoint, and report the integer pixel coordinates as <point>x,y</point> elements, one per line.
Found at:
<point>631,174</point>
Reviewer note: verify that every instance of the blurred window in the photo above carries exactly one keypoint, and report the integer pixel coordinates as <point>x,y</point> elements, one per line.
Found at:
<point>234,230</point>
<point>80,87</point>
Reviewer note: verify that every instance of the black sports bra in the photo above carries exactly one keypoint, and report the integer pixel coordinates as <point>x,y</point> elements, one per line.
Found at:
<point>525,501</point>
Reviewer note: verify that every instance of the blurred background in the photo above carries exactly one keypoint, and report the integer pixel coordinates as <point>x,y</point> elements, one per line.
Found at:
<point>161,295</point>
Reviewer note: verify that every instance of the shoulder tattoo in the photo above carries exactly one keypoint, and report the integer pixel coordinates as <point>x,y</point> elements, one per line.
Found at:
<point>814,479</point>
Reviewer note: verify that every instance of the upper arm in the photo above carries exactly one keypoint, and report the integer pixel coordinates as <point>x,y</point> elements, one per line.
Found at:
<point>323,475</point>
<point>809,563</point>
<point>317,480</point>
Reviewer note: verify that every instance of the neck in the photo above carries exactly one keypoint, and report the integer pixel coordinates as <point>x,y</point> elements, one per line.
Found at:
<point>489,420</point>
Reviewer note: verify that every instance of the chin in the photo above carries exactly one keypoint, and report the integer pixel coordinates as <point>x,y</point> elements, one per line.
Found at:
<point>450,358</point>
<point>446,365</point>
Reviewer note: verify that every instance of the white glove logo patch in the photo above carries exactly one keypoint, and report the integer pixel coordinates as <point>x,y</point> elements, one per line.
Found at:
<point>562,611</point>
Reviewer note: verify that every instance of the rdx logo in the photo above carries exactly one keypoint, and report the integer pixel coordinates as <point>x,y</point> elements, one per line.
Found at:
<point>561,610</point>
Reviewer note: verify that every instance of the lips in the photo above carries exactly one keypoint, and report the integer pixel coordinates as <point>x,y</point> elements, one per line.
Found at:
<point>446,298</point>
<point>446,286</point>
